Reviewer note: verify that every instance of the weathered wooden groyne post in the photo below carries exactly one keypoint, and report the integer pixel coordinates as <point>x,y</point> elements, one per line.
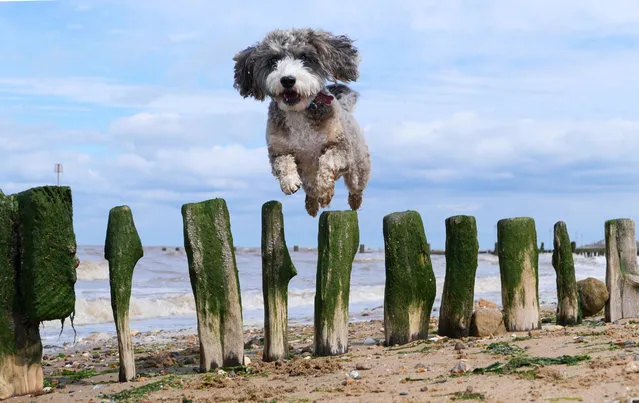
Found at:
<point>277,271</point>
<point>518,266</point>
<point>338,238</point>
<point>568,312</point>
<point>622,273</point>
<point>214,278</point>
<point>462,248</point>
<point>123,249</point>
<point>37,278</point>
<point>410,287</point>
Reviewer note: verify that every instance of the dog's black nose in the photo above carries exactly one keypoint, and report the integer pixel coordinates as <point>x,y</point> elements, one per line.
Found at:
<point>287,81</point>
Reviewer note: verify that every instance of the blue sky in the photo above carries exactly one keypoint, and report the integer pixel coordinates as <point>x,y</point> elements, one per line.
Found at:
<point>494,109</point>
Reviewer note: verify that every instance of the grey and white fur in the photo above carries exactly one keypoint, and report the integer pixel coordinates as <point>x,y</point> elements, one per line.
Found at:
<point>312,136</point>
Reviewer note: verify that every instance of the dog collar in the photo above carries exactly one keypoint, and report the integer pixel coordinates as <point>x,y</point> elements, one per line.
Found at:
<point>321,98</point>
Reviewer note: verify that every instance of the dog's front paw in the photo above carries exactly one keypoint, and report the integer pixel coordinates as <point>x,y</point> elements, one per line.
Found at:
<point>290,184</point>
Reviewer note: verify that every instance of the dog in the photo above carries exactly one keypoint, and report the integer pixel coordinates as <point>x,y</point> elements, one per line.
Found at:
<point>312,136</point>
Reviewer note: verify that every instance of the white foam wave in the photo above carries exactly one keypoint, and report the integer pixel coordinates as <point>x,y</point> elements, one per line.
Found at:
<point>90,270</point>
<point>99,310</point>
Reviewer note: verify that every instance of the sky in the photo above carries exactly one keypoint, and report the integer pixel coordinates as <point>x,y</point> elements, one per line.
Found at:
<point>495,109</point>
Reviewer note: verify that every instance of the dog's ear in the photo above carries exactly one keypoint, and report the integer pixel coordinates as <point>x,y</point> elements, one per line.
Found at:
<point>244,81</point>
<point>338,55</point>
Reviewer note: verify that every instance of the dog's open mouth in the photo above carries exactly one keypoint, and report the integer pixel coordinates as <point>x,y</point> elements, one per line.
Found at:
<point>290,97</point>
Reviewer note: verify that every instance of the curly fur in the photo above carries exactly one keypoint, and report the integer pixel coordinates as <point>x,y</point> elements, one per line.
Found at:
<point>313,139</point>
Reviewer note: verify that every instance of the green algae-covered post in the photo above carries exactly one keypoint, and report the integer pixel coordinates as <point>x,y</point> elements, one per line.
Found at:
<point>338,238</point>
<point>277,271</point>
<point>216,286</point>
<point>20,369</point>
<point>518,265</point>
<point>47,252</point>
<point>462,248</point>
<point>37,276</point>
<point>622,274</point>
<point>568,312</point>
<point>410,288</point>
<point>122,249</point>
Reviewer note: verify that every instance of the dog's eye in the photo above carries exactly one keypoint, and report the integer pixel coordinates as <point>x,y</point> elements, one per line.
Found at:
<point>303,57</point>
<point>273,61</point>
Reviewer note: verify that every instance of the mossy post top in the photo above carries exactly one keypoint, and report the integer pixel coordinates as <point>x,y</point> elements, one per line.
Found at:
<point>122,235</point>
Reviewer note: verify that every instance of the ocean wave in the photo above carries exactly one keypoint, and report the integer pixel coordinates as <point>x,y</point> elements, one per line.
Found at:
<point>90,270</point>
<point>98,310</point>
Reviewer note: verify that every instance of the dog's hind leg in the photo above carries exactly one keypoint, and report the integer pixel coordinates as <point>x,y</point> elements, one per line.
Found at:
<point>356,181</point>
<point>331,163</point>
<point>312,205</point>
<point>285,170</point>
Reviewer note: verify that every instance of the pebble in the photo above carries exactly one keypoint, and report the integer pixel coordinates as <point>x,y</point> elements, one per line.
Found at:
<point>629,343</point>
<point>47,389</point>
<point>632,367</point>
<point>460,368</point>
<point>247,361</point>
<point>369,341</point>
<point>420,365</point>
<point>354,375</point>
<point>460,346</point>
<point>403,393</point>
<point>469,389</point>
<point>306,354</point>
<point>424,389</point>
<point>363,366</point>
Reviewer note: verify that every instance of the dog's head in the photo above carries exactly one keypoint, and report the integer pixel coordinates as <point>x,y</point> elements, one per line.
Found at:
<point>292,66</point>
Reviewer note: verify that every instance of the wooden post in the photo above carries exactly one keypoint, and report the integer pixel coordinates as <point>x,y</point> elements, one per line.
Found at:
<point>338,238</point>
<point>277,271</point>
<point>37,276</point>
<point>410,288</point>
<point>122,249</point>
<point>568,312</point>
<point>20,345</point>
<point>216,287</point>
<point>47,252</point>
<point>462,249</point>
<point>518,265</point>
<point>622,274</point>
<point>362,248</point>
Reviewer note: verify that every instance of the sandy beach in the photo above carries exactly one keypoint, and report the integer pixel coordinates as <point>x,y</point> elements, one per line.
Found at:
<point>593,362</point>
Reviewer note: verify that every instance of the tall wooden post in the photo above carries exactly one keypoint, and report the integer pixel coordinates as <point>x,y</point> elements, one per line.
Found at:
<point>567,296</point>
<point>122,249</point>
<point>410,288</point>
<point>216,286</point>
<point>622,273</point>
<point>462,248</point>
<point>338,238</point>
<point>518,265</point>
<point>277,271</point>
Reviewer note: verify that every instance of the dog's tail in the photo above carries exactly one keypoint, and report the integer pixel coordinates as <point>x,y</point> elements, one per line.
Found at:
<point>346,96</point>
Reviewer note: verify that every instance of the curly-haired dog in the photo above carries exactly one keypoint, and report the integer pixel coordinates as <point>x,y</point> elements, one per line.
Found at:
<point>312,136</point>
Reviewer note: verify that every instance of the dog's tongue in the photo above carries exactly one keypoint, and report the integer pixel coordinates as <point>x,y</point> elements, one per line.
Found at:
<point>324,98</point>
<point>288,95</point>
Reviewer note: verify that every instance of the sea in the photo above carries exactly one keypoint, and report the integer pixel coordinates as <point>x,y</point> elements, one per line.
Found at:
<point>162,298</point>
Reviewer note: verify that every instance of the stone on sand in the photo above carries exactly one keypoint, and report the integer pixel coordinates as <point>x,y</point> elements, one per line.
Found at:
<point>486,322</point>
<point>594,295</point>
